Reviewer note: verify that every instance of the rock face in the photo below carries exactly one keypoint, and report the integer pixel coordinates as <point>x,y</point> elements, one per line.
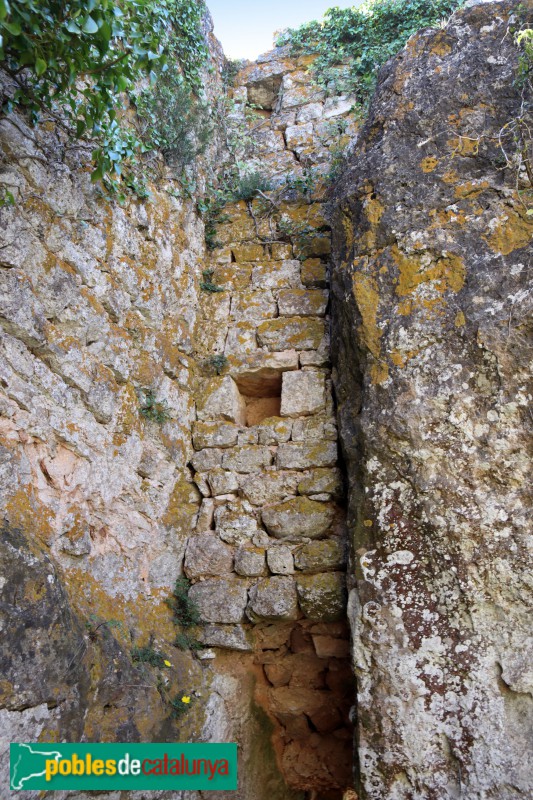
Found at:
<point>432,251</point>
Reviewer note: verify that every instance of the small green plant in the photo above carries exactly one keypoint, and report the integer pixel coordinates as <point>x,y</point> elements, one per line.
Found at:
<point>230,71</point>
<point>148,655</point>
<point>186,615</point>
<point>186,641</point>
<point>180,704</point>
<point>304,184</point>
<point>217,363</point>
<point>207,284</point>
<point>152,409</point>
<point>250,185</point>
<point>6,197</point>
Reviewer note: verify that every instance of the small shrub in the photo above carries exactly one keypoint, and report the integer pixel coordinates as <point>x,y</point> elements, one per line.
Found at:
<point>186,615</point>
<point>148,655</point>
<point>207,284</point>
<point>151,409</point>
<point>249,185</point>
<point>184,641</point>
<point>217,363</point>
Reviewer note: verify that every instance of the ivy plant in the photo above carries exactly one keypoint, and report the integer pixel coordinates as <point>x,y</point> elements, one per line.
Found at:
<point>352,43</point>
<point>76,60</point>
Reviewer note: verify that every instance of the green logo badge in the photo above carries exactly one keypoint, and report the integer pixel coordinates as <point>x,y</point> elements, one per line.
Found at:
<point>106,767</point>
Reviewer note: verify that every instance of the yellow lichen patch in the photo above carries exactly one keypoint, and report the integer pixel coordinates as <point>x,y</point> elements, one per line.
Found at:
<point>429,164</point>
<point>470,189</point>
<point>457,217</point>
<point>146,371</point>
<point>464,146</point>
<point>401,357</point>
<point>182,505</point>
<point>450,177</point>
<point>460,319</point>
<point>373,210</point>
<point>25,511</point>
<point>127,417</point>
<point>440,47</point>
<point>367,298</point>
<point>446,272</point>
<point>93,301</point>
<point>512,231</point>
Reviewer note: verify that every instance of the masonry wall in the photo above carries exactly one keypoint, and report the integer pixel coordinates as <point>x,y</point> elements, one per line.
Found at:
<point>128,461</point>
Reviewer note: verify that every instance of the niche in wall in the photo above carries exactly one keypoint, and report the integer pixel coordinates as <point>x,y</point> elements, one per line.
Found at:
<point>261,392</point>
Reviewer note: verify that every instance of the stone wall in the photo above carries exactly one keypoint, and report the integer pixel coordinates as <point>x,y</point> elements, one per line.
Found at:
<point>128,461</point>
<point>432,301</point>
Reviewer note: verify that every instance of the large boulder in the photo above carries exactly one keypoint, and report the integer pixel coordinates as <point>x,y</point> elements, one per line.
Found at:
<point>431,248</point>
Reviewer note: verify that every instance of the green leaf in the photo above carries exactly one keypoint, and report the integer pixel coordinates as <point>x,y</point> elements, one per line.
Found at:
<point>72,27</point>
<point>13,28</point>
<point>90,26</point>
<point>97,174</point>
<point>40,66</point>
<point>4,9</point>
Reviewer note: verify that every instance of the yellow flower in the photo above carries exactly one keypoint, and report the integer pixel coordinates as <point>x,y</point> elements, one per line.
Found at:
<point>185,699</point>
<point>167,663</point>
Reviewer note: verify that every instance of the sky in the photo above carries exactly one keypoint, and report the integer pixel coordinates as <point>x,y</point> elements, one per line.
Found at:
<point>246,27</point>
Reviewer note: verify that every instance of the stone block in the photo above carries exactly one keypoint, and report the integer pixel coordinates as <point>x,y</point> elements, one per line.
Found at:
<point>330,647</point>
<point>281,251</point>
<point>220,600</point>
<point>302,392</point>
<point>274,430</point>
<point>205,514</point>
<point>214,434</point>
<point>313,273</point>
<point>328,554</point>
<point>280,560</point>
<point>278,674</point>
<point>241,340</point>
<point>200,479</point>
<point>322,480</point>
<point>293,455</point>
<point>250,561</point>
<point>248,251</point>
<point>222,481</point>
<point>207,459</point>
<point>236,522</point>
<point>336,106</point>
<point>322,597</point>
<point>222,400</point>
<point>253,306</point>
<point>285,333</point>
<point>297,518</point>
<point>297,701</point>
<point>298,136</point>
<point>207,555</point>
<point>269,487</point>
<point>302,302</point>
<point>273,599</point>
<point>227,637</point>
<point>277,275</point>
<point>309,112</point>
<point>249,458</point>
<point>304,430</point>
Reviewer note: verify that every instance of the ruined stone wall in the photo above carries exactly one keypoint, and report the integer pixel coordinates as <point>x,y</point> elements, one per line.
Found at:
<point>432,302</point>
<point>127,461</point>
